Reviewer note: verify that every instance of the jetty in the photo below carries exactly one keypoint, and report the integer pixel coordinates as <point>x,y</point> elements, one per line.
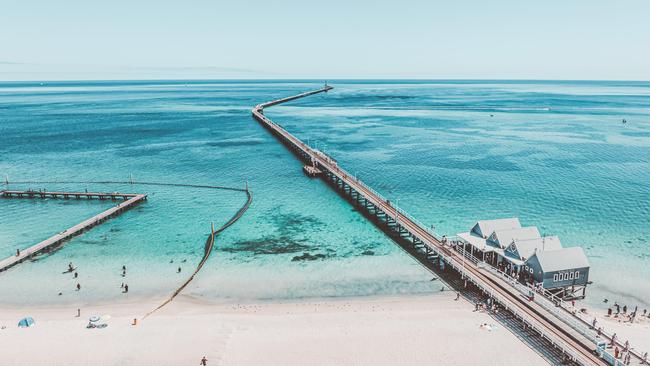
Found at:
<point>127,202</point>
<point>67,195</point>
<point>577,341</point>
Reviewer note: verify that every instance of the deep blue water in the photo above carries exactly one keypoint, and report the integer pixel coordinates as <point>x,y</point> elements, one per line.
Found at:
<point>554,153</point>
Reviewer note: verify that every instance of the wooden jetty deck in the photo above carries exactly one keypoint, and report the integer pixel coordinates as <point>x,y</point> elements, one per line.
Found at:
<point>56,240</point>
<point>66,195</point>
<point>577,344</point>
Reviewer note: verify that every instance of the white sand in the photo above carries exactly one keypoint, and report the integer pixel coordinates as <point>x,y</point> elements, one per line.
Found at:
<point>414,330</point>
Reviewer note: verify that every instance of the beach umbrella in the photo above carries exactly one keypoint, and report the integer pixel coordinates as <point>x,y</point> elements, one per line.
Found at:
<point>94,319</point>
<point>26,322</point>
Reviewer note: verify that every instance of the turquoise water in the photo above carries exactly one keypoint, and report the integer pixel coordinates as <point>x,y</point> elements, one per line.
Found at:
<point>554,154</point>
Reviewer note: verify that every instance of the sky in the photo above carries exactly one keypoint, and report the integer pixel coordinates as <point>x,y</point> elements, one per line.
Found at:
<point>333,39</point>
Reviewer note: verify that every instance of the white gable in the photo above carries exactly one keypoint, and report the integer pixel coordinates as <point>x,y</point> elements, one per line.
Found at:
<point>486,227</point>
<point>503,238</point>
<point>527,247</point>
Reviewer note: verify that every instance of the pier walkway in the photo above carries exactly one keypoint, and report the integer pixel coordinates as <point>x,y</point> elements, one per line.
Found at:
<point>129,200</point>
<point>67,195</point>
<point>574,343</point>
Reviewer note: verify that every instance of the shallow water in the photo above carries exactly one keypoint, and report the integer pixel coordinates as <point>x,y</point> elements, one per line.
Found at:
<point>554,154</point>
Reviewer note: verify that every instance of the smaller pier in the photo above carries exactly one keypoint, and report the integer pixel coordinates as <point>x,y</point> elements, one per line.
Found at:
<point>59,238</point>
<point>66,195</point>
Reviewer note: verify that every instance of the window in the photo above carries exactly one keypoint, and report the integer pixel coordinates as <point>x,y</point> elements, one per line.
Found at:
<point>577,274</point>
<point>555,276</point>
<point>531,271</point>
<point>561,276</point>
<point>570,275</point>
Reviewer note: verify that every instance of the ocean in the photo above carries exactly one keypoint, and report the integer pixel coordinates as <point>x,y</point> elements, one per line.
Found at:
<point>556,154</point>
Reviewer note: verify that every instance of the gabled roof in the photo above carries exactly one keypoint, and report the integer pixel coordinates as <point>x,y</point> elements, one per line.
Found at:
<point>474,240</point>
<point>562,259</point>
<point>527,247</point>
<point>503,238</point>
<point>487,227</point>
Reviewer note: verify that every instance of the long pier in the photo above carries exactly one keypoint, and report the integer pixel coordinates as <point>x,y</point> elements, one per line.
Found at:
<point>128,201</point>
<point>577,345</point>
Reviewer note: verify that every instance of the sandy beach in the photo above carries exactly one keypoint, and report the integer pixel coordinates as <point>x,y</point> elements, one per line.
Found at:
<point>413,330</point>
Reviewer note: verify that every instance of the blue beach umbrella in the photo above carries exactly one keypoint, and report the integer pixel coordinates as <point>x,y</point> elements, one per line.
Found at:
<point>26,322</point>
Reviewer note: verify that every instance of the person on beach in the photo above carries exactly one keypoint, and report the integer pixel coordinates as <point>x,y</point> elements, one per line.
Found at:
<point>204,361</point>
<point>624,309</point>
<point>609,312</point>
<point>70,267</point>
<point>179,270</point>
<point>126,288</point>
<point>76,275</point>
<point>78,312</point>
<point>645,359</point>
<point>457,296</point>
<point>78,287</point>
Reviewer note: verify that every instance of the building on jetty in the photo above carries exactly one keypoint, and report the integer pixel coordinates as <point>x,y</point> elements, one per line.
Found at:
<point>523,253</point>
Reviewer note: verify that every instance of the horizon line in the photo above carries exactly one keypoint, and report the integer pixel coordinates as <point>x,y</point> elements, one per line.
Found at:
<point>318,80</point>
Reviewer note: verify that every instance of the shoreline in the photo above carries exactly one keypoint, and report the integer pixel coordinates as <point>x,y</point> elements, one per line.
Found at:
<point>372,330</point>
